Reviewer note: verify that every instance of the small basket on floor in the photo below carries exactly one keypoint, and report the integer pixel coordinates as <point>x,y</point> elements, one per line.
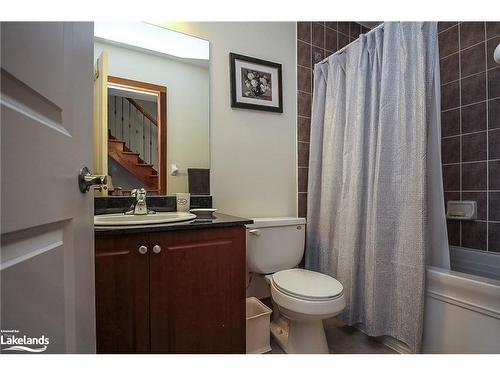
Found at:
<point>258,318</point>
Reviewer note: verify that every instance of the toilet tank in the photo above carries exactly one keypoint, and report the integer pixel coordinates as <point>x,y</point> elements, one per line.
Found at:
<point>275,244</point>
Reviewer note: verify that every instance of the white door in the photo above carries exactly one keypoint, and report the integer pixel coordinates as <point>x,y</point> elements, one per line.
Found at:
<point>47,242</point>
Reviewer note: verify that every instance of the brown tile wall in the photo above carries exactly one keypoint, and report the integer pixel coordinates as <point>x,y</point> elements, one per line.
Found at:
<point>470,117</point>
<point>315,41</point>
<point>470,127</point>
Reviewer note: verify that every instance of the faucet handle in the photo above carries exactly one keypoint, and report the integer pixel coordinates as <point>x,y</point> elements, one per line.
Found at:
<point>141,195</point>
<point>140,207</point>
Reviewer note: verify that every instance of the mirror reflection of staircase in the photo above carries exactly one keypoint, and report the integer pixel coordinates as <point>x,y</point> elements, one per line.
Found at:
<point>132,144</point>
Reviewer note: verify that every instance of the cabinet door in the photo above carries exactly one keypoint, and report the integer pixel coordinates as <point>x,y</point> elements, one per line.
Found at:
<point>198,291</point>
<point>122,294</point>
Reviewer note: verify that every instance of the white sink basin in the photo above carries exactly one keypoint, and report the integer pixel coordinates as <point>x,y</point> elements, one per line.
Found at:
<point>156,218</point>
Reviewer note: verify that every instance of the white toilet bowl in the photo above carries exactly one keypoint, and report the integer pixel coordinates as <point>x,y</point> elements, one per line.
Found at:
<point>305,298</point>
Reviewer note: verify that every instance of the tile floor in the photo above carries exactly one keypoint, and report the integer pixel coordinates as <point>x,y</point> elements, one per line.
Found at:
<point>343,339</point>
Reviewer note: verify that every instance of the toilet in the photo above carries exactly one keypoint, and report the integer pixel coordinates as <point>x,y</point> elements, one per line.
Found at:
<point>303,298</point>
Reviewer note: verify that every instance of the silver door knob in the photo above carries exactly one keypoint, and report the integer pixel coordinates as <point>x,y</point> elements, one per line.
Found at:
<point>143,250</point>
<point>86,180</point>
<point>156,249</point>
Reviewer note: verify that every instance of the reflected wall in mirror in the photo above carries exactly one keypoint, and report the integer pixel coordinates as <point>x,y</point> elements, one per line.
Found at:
<point>157,111</point>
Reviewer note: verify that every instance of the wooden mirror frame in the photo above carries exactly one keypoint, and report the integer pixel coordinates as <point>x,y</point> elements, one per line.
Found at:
<point>161,91</point>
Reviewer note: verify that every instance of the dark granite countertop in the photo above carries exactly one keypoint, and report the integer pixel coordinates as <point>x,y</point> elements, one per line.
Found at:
<point>219,221</point>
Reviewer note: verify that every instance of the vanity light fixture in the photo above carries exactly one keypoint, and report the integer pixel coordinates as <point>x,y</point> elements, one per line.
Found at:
<point>152,38</point>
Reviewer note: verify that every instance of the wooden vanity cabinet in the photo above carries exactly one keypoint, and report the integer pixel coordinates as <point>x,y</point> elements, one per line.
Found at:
<point>122,294</point>
<point>187,296</point>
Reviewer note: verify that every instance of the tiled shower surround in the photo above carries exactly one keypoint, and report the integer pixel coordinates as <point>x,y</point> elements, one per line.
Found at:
<point>315,41</point>
<point>470,128</point>
<point>470,118</point>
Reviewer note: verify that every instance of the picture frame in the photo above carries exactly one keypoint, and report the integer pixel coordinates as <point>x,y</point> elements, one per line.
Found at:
<point>255,84</point>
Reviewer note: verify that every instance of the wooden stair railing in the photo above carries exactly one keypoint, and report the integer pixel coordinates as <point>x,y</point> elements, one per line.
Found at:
<point>142,110</point>
<point>133,163</point>
<point>142,122</point>
<point>154,127</point>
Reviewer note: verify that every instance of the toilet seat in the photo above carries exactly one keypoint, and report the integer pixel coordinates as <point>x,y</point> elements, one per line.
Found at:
<point>308,309</point>
<point>307,285</point>
<point>309,293</point>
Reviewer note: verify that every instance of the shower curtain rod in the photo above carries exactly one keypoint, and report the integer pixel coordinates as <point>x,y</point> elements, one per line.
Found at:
<point>354,41</point>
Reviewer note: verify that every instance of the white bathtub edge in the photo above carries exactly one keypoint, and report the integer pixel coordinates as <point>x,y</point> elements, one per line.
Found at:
<point>474,293</point>
<point>462,313</point>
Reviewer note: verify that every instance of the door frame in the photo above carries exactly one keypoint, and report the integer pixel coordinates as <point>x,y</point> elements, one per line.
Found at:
<point>161,91</point>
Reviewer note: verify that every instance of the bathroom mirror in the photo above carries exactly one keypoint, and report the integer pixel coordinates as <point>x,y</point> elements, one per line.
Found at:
<point>151,109</point>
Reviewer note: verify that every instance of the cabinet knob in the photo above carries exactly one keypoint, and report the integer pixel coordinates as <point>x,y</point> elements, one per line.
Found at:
<point>156,249</point>
<point>143,249</point>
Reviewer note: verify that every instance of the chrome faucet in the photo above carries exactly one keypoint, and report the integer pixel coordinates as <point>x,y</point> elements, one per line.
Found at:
<point>139,206</point>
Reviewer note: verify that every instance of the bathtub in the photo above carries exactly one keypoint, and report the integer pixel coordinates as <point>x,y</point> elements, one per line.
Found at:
<point>462,309</point>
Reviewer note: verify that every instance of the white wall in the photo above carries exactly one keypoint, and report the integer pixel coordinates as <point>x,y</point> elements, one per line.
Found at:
<point>253,153</point>
<point>187,104</point>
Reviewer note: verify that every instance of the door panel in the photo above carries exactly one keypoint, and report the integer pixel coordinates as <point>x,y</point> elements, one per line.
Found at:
<point>122,294</point>
<point>47,224</point>
<point>33,53</point>
<point>202,307</point>
<point>40,254</point>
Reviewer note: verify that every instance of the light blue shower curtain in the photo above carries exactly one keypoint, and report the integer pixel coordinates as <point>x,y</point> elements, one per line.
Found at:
<point>375,203</point>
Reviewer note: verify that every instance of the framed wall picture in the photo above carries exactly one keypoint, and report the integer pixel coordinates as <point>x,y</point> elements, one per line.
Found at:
<point>255,84</point>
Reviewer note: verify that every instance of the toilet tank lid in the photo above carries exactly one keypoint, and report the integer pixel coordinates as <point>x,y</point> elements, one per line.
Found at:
<point>262,222</point>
